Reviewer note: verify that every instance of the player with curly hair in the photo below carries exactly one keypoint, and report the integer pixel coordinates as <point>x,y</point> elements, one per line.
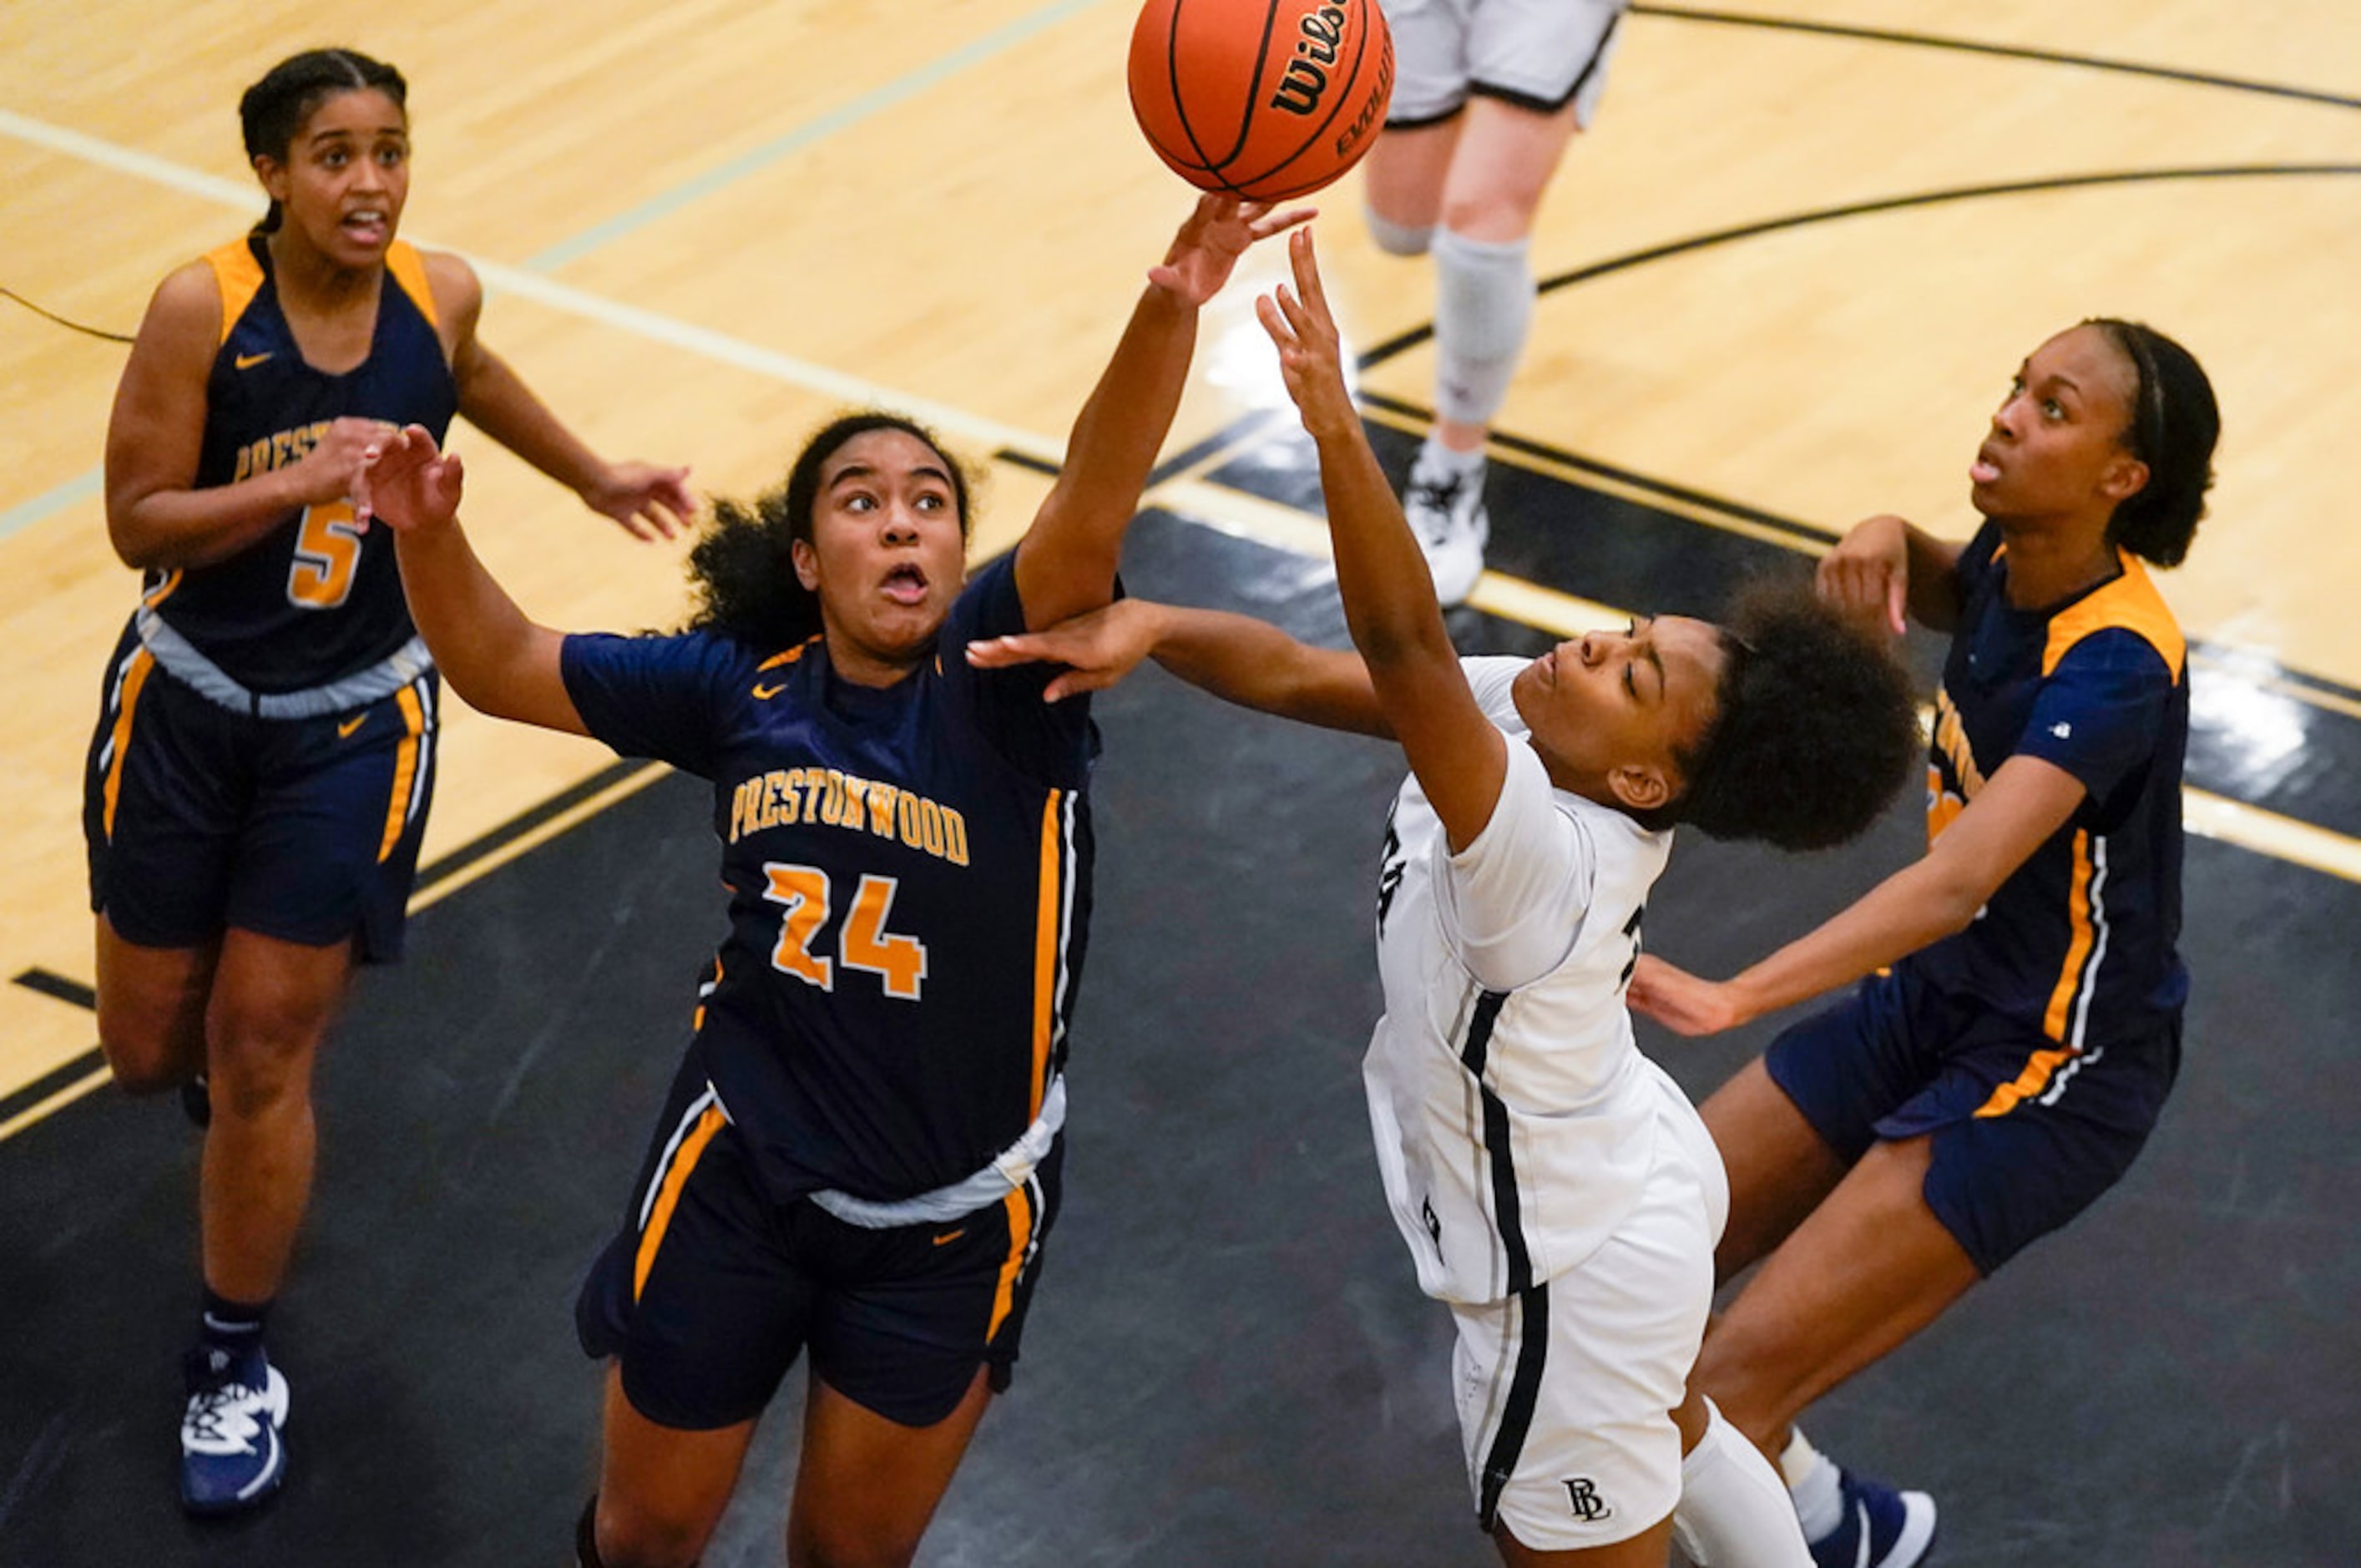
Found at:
<point>1555,1187</point>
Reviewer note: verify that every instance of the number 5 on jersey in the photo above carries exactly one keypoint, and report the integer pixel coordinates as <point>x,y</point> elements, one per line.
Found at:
<point>862,943</point>
<point>327,554</point>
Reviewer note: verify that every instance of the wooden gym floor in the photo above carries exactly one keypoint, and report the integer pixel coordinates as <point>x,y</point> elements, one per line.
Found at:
<point>1788,272</point>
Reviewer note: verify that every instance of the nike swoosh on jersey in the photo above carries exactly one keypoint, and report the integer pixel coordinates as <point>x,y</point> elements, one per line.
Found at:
<point>765,694</point>
<point>946,1240</point>
<point>248,361</point>
<point>344,731</point>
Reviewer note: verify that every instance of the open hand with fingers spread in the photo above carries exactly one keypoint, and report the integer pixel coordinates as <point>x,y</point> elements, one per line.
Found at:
<point>648,502</point>
<point>1219,230</point>
<point>1310,356</point>
<point>1098,649</point>
<point>410,484</point>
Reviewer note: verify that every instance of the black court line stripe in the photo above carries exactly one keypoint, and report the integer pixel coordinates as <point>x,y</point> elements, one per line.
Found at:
<point>2004,51</point>
<point>1702,500</point>
<point>1419,335</point>
<point>76,995</point>
<point>1017,459</point>
<point>72,991</point>
<point>516,827</point>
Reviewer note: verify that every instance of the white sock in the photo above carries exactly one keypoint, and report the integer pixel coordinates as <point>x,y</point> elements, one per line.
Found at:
<point>1814,1484</point>
<point>1483,311</point>
<point>1442,461</point>
<point>1733,1513</point>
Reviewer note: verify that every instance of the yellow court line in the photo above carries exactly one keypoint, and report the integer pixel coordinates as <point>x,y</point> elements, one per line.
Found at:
<point>57,1101</point>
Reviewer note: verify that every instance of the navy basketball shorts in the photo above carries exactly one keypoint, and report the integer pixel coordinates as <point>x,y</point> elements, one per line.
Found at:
<point>2026,1133</point>
<point>712,1289</point>
<point>199,819</point>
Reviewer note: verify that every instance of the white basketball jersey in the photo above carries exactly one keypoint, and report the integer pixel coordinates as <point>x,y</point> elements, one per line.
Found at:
<point>1515,1119</point>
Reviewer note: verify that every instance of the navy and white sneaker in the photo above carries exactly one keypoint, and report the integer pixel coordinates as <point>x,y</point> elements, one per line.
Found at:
<point>1882,1527</point>
<point>231,1455</point>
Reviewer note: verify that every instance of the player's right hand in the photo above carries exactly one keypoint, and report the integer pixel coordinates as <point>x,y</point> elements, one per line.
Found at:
<point>404,479</point>
<point>1867,575</point>
<point>1098,649</point>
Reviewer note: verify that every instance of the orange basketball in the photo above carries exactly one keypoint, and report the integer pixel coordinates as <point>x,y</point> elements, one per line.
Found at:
<point>1266,99</point>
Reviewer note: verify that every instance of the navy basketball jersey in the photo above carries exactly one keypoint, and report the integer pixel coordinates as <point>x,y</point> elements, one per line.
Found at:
<point>909,889</point>
<point>2080,943</point>
<point>315,599</point>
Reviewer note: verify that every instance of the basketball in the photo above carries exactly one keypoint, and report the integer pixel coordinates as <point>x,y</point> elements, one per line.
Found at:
<point>1263,98</point>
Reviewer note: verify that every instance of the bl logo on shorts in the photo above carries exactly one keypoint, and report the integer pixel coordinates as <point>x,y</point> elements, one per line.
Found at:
<point>1584,1498</point>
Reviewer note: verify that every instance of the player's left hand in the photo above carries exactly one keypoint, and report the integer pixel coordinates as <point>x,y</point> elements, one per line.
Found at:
<point>1679,1000</point>
<point>1218,232</point>
<point>405,480</point>
<point>1310,356</point>
<point>649,502</point>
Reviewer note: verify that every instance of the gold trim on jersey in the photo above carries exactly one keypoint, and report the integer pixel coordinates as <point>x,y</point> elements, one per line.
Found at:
<point>1045,947</point>
<point>408,269</point>
<point>2132,603</point>
<point>240,277</point>
<point>2083,914</point>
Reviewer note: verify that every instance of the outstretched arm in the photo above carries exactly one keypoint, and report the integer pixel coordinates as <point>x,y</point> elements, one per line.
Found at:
<point>2026,801</point>
<point>1237,658</point>
<point>1460,758</point>
<point>649,502</point>
<point>1066,563</point>
<point>498,661</point>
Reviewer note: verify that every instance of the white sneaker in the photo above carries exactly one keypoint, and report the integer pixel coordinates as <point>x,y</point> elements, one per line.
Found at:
<point>1445,508</point>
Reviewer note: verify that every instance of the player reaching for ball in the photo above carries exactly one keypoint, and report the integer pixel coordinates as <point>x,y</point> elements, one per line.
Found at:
<point>1554,1187</point>
<point>861,1156</point>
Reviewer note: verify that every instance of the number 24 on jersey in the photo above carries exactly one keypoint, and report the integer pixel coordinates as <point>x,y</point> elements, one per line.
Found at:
<point>862,942</point>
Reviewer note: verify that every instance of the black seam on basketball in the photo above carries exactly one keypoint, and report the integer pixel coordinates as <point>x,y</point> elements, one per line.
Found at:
<point>1341,95</point>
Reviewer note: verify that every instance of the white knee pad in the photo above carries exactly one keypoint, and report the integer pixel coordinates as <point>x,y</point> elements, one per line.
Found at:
<point>1397,239</point>
<point>1482,309</point>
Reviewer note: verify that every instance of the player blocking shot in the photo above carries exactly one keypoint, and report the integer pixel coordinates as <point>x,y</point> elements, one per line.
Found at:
<point>860,1160</point>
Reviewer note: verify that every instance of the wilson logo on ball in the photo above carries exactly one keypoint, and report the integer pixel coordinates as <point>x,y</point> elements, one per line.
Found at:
<point>1307,74</point>
<point>1262,99</point>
